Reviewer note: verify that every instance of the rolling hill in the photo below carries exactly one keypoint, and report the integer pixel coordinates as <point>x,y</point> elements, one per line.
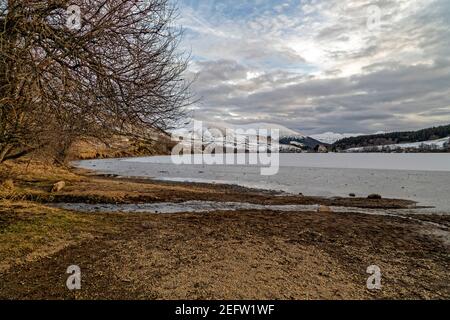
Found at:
<point>393,138</point>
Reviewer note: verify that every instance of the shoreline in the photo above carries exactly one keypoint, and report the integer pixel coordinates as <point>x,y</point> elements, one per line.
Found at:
<point>427,188</point>
<point>270,254</point>
<point>236,193</point>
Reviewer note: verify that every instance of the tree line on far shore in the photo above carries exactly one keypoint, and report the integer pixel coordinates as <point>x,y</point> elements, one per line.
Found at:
<point>384,139</point>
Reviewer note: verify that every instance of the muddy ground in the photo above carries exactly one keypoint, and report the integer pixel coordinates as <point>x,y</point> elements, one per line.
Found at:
<point>219,255</point>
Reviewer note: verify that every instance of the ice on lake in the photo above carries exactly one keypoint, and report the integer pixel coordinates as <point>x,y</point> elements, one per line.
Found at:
<point>424,178</point>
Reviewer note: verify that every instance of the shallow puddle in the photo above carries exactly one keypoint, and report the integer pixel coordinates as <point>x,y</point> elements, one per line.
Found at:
<point>210,206</point>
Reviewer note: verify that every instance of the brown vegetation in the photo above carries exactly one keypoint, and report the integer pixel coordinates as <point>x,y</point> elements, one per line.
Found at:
<point>116,74</point>
<point>120,147</point>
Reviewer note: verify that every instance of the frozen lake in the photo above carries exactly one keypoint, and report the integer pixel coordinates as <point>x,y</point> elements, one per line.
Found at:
<point>424,178</point>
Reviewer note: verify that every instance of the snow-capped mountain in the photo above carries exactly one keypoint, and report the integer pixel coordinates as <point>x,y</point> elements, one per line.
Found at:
<point>209,132</point>
<point>331,137</point>
<point>210,128</point>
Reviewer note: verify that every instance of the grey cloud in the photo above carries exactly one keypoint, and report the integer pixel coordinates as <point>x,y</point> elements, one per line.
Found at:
<point>360,102</point>
<point>403,83</point>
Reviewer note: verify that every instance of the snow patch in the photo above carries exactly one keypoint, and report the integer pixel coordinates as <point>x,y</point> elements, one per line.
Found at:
<point>332,137</point>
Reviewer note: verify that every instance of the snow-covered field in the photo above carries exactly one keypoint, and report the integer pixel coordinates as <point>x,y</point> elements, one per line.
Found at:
<point>420,177</point>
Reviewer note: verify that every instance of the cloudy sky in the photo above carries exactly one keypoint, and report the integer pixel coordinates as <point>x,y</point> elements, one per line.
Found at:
<point>347,66</point>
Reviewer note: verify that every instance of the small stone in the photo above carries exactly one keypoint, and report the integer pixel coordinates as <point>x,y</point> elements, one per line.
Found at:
<point>352,195</point>
<point>374,197</point>
<point>145,226</point>
<point>57,187</point>
<point>324,209</point>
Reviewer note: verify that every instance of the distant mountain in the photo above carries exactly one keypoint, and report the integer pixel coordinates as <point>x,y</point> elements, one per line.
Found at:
<point>331,137</point>
<point>210,128</point>
<point>302,142</point>
<point>393,138</point>
<point>290,140</point>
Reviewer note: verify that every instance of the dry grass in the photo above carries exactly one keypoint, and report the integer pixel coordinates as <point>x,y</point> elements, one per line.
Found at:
<point>29,231</point>
<point>32,180</point>
<point>8,184</point>
<point>120,147</point>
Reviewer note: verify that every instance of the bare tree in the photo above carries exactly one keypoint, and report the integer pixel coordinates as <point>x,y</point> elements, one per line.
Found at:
<point>87,68</point>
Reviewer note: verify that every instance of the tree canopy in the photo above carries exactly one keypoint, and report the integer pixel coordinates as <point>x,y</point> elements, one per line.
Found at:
<point>87,68</point>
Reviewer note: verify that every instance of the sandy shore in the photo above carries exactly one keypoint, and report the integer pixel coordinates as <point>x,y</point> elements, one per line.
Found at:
<point>253,254</point>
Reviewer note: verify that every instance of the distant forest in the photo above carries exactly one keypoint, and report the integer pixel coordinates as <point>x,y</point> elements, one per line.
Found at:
<point>393,138</point>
